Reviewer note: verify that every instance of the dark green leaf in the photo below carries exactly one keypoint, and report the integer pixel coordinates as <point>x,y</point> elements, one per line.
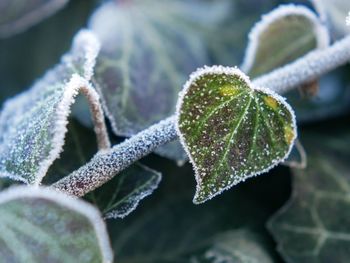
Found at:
<point>314,226</point>
<point>41,225</point>
<point>231,130</point>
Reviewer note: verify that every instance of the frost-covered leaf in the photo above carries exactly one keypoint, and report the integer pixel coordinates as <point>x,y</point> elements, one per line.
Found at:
<point>231,130</point>
<point>282,36</point>
<point>334,13</point>
<point>314,225</point>
<point>17,16</point>
<point>33,124</point>
<point>147,51</point>
<point>239,246</point>
<point>119,197</point>
<point>41,225</point>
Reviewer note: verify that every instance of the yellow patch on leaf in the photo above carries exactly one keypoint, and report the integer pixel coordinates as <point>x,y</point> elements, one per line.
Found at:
<point>288,134</point>
<point>228,90</point>
<point>271,102</point>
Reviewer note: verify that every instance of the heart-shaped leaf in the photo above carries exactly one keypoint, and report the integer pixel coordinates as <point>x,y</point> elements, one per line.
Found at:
<point>230,130</point>
<point>42,225</point>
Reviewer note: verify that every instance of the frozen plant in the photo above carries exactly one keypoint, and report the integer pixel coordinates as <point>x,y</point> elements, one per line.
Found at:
<point>132,65</point>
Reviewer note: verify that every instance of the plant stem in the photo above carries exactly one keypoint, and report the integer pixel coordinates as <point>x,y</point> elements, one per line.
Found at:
<point>106,164</point>
<point>97,117</point>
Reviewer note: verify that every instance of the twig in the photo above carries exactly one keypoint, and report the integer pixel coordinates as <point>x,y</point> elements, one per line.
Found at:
<point>105,165</point>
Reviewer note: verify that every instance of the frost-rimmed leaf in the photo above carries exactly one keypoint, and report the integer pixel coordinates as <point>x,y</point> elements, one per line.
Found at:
<point>144,59</point>
<point>42,225</point>
<point>230,129</point>
<point>314,225</point>
<point>334,14</point>
<point>283,35</point>
<point>119,197</point>
<point>33,124</point>
<point>17,16</point>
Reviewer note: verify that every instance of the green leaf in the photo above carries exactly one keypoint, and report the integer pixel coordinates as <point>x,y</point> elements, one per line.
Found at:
<point>231,130</point>
<point>239,246</point>
<point>17,16</point>
<point>42,225</point>
<point>282,36</point>
<point>119,197</point>
<point>334,13</point>
<point>147,51</point>
<point>33,124</point>
<point>314,225</point>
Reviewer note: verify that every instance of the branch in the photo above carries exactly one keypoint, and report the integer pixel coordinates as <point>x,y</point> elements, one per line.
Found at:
<point>105,165</point>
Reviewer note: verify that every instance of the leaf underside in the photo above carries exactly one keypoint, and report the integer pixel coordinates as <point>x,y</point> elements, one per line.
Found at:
<point>119,197</point>
<point>40,225</point>
<point>230,130</point>
<point>33,124</point>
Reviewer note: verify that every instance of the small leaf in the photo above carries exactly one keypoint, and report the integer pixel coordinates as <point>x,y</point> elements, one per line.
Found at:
<point>334,14</point>
<point>282,36</point>
<point>314,225</point>
<point>41,225</point>
<point>119,197</point>
<point>33,124</point>
<point>231,131</point>
<point>239,246</point>
<point>17,16</point>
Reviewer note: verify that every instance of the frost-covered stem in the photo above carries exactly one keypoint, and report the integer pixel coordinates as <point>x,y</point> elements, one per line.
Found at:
<point>92,97</point>
<point>105,165</point>
<point>307,68</point>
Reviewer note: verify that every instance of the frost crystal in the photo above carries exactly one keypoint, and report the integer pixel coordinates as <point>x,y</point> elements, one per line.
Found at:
<point>230,129</point>
<point>33,124</point>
